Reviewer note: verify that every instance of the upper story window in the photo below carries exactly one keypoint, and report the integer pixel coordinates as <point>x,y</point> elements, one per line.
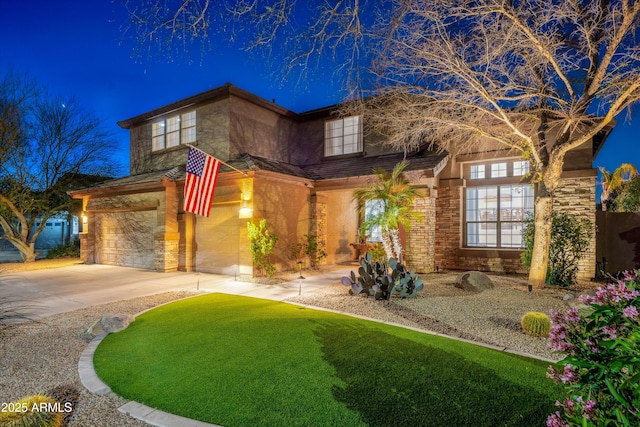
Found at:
<point>173,131</point>
<point>343,136</point>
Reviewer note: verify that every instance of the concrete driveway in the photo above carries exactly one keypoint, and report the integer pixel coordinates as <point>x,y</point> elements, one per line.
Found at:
<point>64,289</point>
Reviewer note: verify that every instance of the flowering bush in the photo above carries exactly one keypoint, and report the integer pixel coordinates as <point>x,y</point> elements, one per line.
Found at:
<point>601,370</point>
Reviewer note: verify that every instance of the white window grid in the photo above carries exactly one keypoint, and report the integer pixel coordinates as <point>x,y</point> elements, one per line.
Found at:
<point>477,172</point>
<point>343,136</point>
<point>494,215</point>
<point>173,131</point>
<point>498,170</point>
<point>520,168</point>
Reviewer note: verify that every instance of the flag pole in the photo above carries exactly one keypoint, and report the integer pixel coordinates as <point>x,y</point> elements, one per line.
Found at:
<point>226,164</point>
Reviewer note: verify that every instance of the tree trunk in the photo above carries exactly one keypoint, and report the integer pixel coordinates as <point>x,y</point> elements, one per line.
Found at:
<point>542,240</point>
<point>387,245</point>
<point>397,245</point>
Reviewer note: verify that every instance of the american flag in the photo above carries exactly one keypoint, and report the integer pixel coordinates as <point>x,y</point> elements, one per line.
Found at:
<point>202,173</point>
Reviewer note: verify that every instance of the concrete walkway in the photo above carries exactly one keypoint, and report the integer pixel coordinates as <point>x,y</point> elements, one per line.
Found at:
<point>60,290</point>
<point>70,288</point>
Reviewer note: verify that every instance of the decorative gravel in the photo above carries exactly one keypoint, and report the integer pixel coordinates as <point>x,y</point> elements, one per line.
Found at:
<point>38,356</point>
<point>490,317</point>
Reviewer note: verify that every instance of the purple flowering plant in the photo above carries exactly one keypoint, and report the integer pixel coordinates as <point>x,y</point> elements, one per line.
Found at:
<point>601,368</point>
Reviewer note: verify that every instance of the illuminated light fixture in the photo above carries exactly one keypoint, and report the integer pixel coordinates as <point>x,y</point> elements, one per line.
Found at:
<point>84,217</point>
<point>245,211</point>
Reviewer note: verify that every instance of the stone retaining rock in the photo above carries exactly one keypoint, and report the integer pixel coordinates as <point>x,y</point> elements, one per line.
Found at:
<point>474,281</point>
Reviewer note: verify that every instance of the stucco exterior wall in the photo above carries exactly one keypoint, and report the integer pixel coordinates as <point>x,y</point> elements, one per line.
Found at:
<point>285,206</point>
<point>618,240</point>
<point>342,225</point>
<point>212,137</point>
<point>259,131</point>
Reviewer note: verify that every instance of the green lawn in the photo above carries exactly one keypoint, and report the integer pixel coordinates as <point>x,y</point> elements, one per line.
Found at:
<point>239,361</point>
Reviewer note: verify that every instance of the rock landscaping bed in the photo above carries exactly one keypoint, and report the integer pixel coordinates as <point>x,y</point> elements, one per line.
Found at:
<point>41,356</point>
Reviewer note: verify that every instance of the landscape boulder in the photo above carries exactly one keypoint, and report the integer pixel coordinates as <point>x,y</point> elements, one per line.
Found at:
<point>107,324</point>
<point>473,281</point>
<point>116,322</point>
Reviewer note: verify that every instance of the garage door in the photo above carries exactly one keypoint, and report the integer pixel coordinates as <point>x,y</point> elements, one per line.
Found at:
<point>125,239</point>
<point>218,239</point>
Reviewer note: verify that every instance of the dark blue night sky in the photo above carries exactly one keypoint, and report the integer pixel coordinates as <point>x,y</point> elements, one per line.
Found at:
<point>77,48</point>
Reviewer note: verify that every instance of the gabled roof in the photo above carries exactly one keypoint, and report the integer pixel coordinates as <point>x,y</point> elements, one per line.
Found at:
<point>329,169</point>
<point>220,92</point>
<point>364,166</point>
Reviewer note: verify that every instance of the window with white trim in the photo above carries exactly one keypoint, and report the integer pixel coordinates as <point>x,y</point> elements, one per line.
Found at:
<point>494,215</point>
<point>520,168</point>
<point>477,171</point>
<point>343,136</point>
<point>498,170</point>
<point>173,131</point>
<point>373,208</point>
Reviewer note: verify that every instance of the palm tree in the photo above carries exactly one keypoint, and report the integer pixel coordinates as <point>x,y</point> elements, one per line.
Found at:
<point>396,196</point>
<point>613,181</point>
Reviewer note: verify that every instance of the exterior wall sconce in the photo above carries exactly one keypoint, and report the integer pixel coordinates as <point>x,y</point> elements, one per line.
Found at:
<point>84,217</point>
<point>246,212</point>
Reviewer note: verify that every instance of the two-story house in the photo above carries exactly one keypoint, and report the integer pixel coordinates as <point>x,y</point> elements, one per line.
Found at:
<point>299,171</point>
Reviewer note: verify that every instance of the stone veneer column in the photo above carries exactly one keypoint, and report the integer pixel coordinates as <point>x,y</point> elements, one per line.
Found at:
<point>318,220</point>
<point>577,196</point>
<point>88,240</point>
<point>167,237</point>
<point>421,237</point>
<point>448,227</point>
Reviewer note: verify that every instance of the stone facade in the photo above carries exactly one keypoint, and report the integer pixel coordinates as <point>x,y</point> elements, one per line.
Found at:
<point>447,232</point>
<point>318,222</point>
<point>577,196</point>
<point>421,238</point>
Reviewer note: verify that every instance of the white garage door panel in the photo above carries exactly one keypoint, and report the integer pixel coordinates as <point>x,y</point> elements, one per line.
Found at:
<point>125,239</point>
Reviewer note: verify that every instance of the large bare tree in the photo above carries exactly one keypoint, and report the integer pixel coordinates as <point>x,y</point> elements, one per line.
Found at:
<point>54,144</point>
<point>540,77</point>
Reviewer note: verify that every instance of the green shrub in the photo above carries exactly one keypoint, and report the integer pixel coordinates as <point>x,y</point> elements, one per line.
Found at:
<point>314,249</point>
<point>261,245</point>
<point>536,324</point>
<point>570,238</point>
<point>627,198</point>
<point>32,411</point>
<point>67,250</point>
<point>377,252</point>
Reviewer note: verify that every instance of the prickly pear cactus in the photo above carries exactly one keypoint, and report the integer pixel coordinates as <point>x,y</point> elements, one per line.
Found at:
<point>375,280</point>
<point>407,282</point>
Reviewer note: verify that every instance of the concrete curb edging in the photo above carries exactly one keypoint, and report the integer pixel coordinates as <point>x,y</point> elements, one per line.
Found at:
<point>88,376</point>
<point>159,418</point>
<point>151,416</point>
